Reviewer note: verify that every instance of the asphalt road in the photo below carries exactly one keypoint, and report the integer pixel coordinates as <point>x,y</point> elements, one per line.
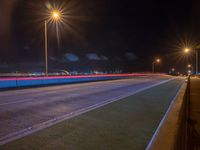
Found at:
<point>22,109</point>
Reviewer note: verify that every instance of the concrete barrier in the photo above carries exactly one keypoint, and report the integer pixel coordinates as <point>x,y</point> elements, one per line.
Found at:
<point>52,81</point>
<point>6,83</point>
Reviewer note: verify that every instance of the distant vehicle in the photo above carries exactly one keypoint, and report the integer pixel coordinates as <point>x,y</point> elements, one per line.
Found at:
<point>65,72</point>
<point>59,73</point>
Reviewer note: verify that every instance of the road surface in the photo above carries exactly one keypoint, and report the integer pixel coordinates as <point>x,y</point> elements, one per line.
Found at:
<point>25,108</point>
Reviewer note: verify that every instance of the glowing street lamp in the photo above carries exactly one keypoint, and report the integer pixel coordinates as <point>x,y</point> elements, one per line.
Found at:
<point>55,16</point>
<point>153,64</point>
<point>158,60</point>
<point>189,66</point>
<point>173,69</point>
<point>189,72</point>
<point>186,50</point>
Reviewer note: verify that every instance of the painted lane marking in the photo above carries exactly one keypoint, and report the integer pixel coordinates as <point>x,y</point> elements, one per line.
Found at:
<point>20,101</point>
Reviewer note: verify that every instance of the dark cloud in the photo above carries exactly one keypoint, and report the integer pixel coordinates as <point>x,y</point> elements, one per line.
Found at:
<point>71,57</point>
<point>105,58</point>
<point>130,56</point>
<point>93,56</point>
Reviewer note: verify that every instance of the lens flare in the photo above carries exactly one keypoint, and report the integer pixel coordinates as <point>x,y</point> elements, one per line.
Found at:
<point>158,60</point>
<point>186,50</point>
<point>48,5</point>
<point>181,48</point>
<point>64,17</point>
<point>56,15</point>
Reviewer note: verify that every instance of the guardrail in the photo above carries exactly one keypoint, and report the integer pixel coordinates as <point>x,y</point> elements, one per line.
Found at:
<point>6,83</point>
<point>172,133</point>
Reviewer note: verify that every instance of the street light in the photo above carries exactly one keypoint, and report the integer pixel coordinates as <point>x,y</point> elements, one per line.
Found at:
<point>173,69</point>
<point>55,16</point>
<point>153,64</point>
<point>189,66</point>
<point>189,72</point>
<point>158,60</point>
<point>187,50</point>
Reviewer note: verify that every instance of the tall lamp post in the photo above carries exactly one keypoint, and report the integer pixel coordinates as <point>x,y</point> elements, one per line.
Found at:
<point>55,15</point>
<point>187,50</point>
<point>153,64</point>
<point>197,62</point>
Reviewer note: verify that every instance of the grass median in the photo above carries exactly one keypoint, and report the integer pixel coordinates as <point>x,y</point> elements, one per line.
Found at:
<point>126,124</point>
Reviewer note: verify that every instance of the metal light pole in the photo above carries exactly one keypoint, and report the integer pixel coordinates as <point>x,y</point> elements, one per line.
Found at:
<point>197,62</point>
<point>153,64</point>
<point>153,67</point>
<point>55,15</point>
<point>187,50</point>
<point>46,48</point>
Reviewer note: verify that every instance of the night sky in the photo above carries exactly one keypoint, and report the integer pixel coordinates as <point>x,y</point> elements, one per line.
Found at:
<point>99,34</point>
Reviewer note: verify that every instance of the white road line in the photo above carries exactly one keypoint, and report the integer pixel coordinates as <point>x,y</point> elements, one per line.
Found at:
<point>22,133</point>
<point>50,92</point>
<point>16,102</point>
